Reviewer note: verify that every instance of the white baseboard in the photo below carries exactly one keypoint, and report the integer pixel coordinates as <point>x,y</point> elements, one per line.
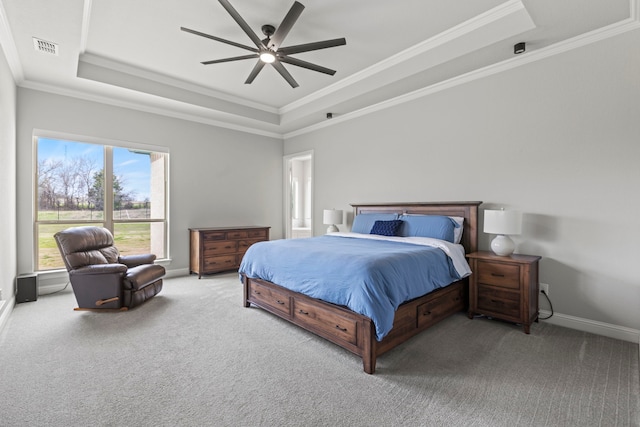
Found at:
<point>177,272</point>
<point>6,307</point>
<point>593,326</point>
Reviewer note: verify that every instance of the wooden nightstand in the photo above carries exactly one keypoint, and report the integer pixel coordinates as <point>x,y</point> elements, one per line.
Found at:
<point>504,287</point>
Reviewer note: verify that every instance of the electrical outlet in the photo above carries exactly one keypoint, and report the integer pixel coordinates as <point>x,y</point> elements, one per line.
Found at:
<point>544,287</point>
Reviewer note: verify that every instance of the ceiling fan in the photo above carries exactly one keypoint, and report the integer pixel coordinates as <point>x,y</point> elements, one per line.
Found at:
<point>270,49</point>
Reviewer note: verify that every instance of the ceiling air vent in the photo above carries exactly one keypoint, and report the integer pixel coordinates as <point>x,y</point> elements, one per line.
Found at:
<point>45,46</point>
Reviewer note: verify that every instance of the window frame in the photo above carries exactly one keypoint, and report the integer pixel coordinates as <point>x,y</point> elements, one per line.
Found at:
<point>108,221</point>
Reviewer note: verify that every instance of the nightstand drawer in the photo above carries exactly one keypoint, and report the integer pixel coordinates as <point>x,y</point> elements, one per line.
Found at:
<point>503,275</point>
<point>495,300</point>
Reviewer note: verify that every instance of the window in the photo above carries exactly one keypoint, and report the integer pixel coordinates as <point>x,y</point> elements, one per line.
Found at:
<point>120,188</point>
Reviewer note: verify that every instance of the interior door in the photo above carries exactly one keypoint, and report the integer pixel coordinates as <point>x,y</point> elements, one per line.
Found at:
<point>298,191</point>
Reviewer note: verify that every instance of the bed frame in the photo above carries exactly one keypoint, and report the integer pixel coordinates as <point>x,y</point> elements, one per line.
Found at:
<point>353,331</point>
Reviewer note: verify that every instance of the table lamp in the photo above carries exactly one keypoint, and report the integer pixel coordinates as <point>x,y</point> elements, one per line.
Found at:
<point>332,217</point>
<point>502,223</point>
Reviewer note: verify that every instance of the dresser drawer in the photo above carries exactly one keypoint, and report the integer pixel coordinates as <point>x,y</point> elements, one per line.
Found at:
<point>503,275</point>
<point>213,235</point>
<point>325,321</point>
<point>258,234</point>
<point>220,263</point>
<point>243,245</point>
<point>220,247</point>
<point>268,298</point>
<point>495,300</point>
<point>237,234</point>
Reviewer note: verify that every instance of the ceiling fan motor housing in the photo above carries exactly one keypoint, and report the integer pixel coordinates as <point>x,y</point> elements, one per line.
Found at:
<point>268,30</point>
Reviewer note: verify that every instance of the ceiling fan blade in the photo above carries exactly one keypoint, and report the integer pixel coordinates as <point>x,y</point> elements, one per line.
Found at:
<point>307,47</point>
<point>243,24</point>
<point>284,73</point>
<point>254,72</point>
<point>235,58</point>
<point>285,25</point>
<point>218,39</point>
<point>307,65</point>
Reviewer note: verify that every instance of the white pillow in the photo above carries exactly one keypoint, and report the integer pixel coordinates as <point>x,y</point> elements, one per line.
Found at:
<point>457,232</point>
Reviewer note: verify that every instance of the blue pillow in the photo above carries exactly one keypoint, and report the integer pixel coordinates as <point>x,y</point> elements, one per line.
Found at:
<point>386,228</point>
<point>363,223</point>
<point>434,226</point>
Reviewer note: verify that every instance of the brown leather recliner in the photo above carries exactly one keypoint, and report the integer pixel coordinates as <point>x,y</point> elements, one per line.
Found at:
<point>100,277</point>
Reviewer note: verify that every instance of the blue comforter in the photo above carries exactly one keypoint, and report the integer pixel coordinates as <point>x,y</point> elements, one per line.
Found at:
<point>370,277</point>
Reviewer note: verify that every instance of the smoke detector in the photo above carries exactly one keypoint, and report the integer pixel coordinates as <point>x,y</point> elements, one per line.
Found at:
<point>45,46</point>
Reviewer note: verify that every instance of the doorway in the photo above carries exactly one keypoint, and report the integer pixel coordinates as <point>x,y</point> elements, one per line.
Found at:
<point>298,191</point>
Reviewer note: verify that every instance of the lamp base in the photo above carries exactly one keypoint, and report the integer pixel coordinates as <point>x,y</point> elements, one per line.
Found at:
<point>502,245</point>
<point>332,229</point>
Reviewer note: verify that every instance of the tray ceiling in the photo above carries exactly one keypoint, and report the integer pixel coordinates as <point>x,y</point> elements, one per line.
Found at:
<point>133,54</point>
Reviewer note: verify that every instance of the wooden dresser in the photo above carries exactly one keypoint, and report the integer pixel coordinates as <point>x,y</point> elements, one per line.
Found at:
<point>217,249</point>
<point>504,287</point>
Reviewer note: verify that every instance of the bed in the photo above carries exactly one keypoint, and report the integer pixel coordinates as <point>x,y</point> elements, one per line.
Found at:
<point>367,336</point>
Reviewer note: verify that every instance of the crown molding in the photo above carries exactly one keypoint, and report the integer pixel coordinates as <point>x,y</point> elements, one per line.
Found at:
<point>510,8</point>
<point>594,36</point>
<point>8,45</point>
<point>112,65</point>
<point>172,109</point>
<point>86,19</point>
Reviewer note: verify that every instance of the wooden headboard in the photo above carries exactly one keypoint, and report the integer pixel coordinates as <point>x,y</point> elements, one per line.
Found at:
<point>467,210</point>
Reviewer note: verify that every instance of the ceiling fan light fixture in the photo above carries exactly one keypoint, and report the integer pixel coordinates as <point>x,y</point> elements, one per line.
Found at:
<point>267,57</point>
<point>270,50</point>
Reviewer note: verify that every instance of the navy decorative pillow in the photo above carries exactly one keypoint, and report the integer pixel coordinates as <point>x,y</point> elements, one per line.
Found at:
<point>364,222</point>
<point>386,228</point>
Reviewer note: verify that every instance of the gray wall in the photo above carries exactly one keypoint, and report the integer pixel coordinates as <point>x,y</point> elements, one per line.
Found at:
<point>217,176</point>
<point>7,184</point>
<point>558,139</point>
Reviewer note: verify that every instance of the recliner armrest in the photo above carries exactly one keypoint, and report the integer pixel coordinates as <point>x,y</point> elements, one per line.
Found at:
<point>136,260</point>
<point>99,269</point>
<point>139,277</point>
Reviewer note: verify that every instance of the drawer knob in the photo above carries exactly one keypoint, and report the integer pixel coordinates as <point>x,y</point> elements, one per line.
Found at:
<point>342,329</point>
<point>497,275</point>
<point>280,302</point>
<point>306,313</point>
<point>427,313</point>
<point>256,292</point>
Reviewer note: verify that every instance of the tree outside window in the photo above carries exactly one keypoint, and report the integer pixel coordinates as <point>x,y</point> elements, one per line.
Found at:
<point>120,188</point>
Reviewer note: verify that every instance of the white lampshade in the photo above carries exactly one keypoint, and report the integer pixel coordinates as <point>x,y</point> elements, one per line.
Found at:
<point>502,223</point>
<point>332,217</point>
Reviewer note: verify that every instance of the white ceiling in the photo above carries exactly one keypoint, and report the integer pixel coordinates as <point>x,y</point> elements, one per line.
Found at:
<point>132,52</point>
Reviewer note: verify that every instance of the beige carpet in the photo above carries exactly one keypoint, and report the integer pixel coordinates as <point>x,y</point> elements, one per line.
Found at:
<point>193,356</point>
